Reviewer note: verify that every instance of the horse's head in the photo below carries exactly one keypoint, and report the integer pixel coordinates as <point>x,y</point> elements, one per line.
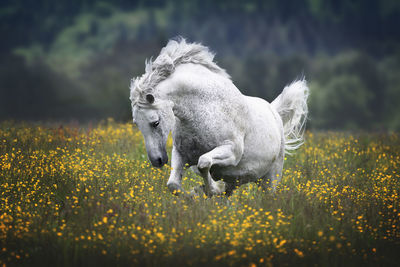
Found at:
<point>155,120</point>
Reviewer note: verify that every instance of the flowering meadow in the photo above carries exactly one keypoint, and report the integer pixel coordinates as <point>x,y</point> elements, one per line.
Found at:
<point>85,195</point>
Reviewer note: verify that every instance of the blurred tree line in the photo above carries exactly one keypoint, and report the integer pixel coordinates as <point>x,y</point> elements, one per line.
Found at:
<point>73,59</point>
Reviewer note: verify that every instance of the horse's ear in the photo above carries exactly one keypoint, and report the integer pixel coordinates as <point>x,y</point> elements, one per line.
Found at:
<point>150,98</point>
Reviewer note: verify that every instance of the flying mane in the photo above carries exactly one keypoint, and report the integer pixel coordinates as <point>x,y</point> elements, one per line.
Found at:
<point>175,53</point>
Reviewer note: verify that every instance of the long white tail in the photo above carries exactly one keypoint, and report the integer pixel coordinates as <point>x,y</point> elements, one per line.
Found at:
<point>291,105</point>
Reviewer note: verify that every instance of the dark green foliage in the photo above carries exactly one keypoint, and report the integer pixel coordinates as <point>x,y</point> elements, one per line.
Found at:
<point>70,59</point>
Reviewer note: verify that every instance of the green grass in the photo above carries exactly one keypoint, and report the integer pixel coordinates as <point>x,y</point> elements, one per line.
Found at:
<point>85,196</point>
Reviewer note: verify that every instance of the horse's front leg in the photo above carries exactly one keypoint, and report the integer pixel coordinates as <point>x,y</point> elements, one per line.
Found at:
<point>175,179</point>
<point>228,154</point>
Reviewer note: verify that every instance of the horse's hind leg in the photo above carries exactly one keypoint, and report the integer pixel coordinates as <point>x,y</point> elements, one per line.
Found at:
<point>274,176</point>
<point>271,179</point>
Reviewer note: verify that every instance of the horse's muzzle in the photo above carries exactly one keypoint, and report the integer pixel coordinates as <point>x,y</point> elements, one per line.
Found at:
<point>159,161</point>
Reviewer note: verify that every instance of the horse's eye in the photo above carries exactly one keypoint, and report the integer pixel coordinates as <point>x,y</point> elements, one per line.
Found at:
<point>155,124</point>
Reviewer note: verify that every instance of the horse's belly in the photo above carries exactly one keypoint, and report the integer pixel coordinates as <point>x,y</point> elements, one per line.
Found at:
<point>250,172</point>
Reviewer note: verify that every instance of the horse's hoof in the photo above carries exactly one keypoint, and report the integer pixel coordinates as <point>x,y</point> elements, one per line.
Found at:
<point>197,191</point>
<point>174,188</point>
<point>220,187</point>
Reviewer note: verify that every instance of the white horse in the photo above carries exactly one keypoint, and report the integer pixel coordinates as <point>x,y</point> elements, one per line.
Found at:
<point>215,128</point>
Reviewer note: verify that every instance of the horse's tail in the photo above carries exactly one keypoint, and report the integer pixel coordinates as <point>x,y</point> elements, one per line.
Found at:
<point>291,105</point>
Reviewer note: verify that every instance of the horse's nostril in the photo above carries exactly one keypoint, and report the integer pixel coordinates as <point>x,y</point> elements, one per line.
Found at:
<point>159,161</point>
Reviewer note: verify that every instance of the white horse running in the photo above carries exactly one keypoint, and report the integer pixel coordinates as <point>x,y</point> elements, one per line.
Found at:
<point>215,128</point>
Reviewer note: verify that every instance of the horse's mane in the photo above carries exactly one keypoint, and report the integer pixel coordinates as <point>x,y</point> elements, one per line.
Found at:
<point>175,53</point>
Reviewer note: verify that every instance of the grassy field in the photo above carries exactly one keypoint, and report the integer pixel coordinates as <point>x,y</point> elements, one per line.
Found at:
<point>84,196</point>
